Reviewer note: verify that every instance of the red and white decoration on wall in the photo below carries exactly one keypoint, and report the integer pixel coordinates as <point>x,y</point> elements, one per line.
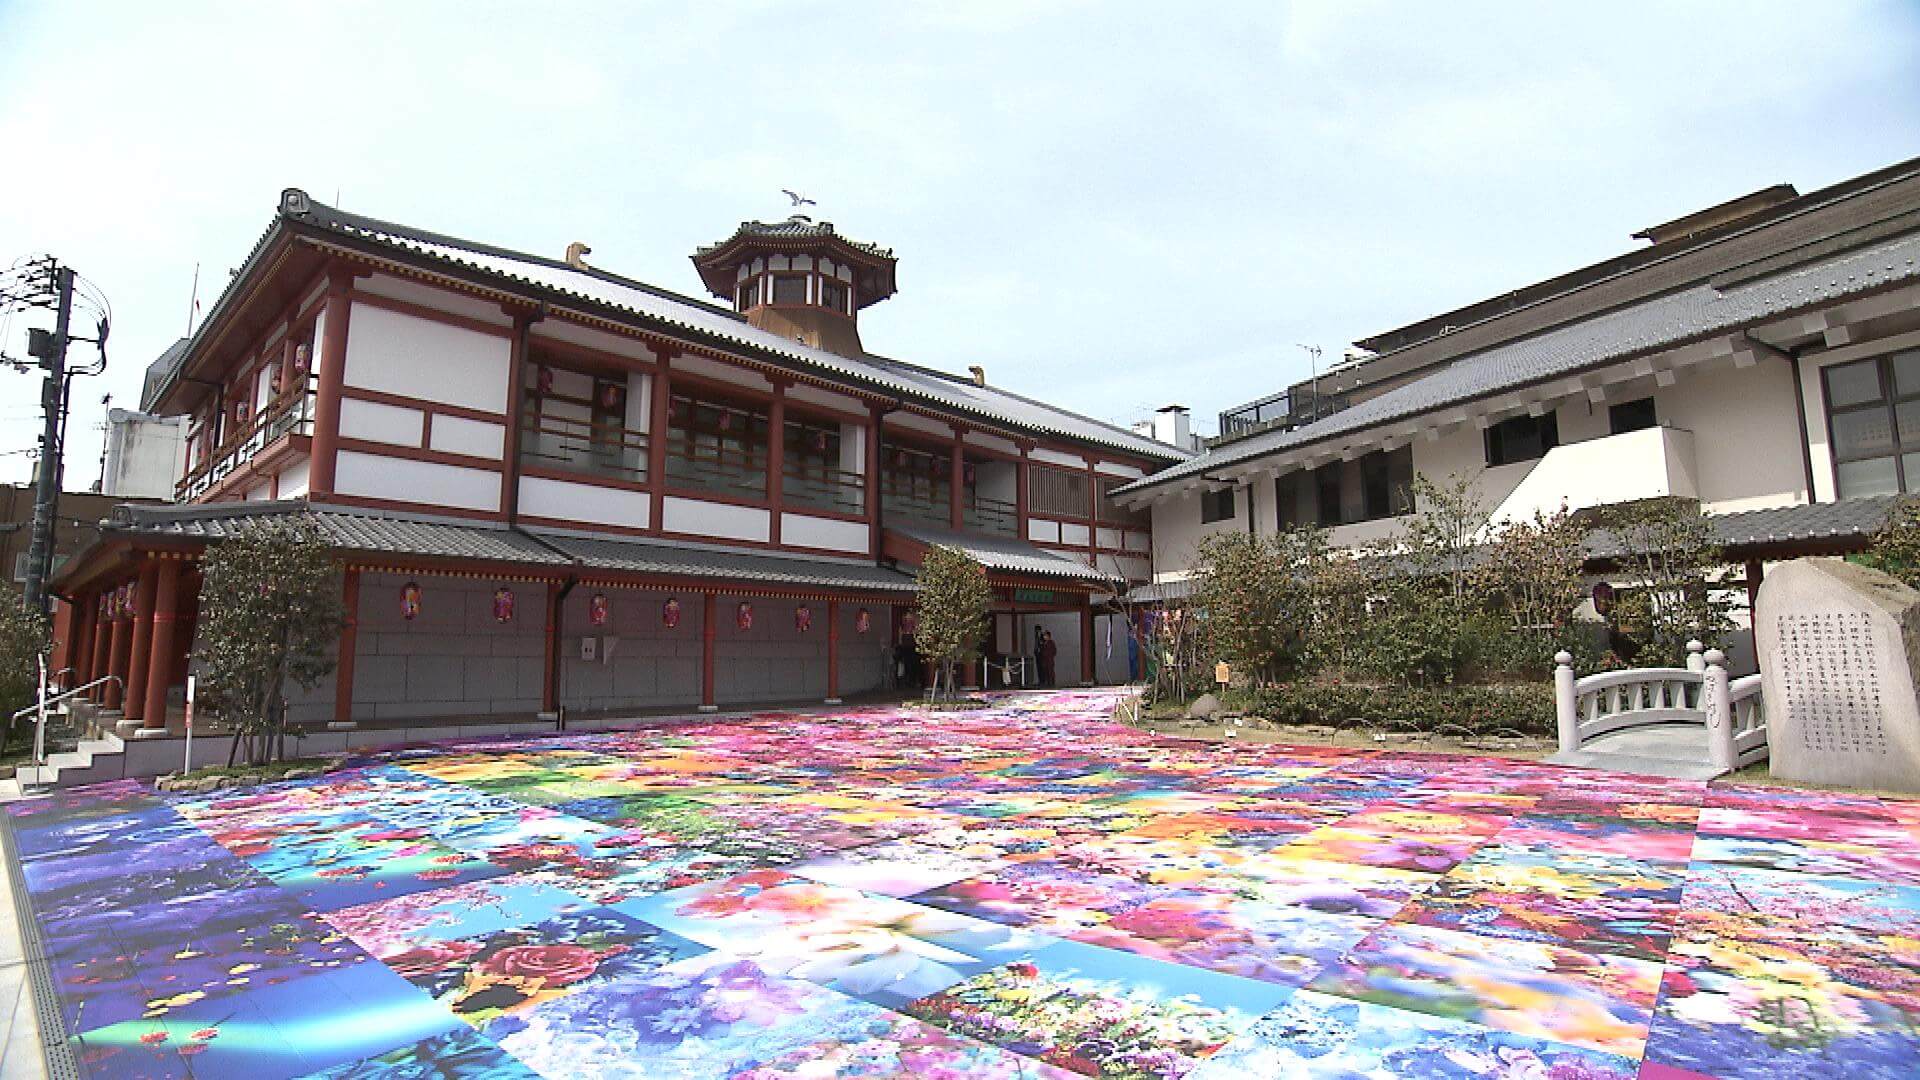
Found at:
<point>598,609</point>
<point>503,604</point>
<point>743,615</point>
<point>543,381</point>
<point>803,618</point>
<point>670,612</point>
<point>862,621</point>
<point>410,601</point>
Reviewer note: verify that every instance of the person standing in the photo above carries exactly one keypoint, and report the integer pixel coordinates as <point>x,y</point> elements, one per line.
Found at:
<point>1045,654</point>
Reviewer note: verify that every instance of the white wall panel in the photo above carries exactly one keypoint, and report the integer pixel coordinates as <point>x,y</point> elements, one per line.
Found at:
<point>374,422</point>
<point>401,354</point>
<point>1055,457</point>
<point>916,422</point>
<point>722,520</point>
<point>1077,535</point>
<point>477,438</point>
<point>991,442</point>
<point>816,396</point>
<point>414,292</point>
<point>293,481</point>
<point>424,483</point>
<point>1044,531</point>
<point>714,369</point>
<point>1108,468</point>
<point>818,532</point>
<point>587,504</point>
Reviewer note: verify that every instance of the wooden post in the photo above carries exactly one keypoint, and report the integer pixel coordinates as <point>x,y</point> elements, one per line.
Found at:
<point>161,655</point>
<point>80,640</point>
<point>1565,707</point>
<point>658,426</point>
<point>776,459</point>
<point>516,406</point>
<point>873,481</point>
<point>326,401</point>
<point>833,652</point>
<point>138,661</point>
<point>550,676</point>
<point>1020,508</point>
<point>117,650</point>
<point>1086,643</point>
<point>102,643</point>
<point>349,641</point>
<point>956,509</point>
<point>707,610</point>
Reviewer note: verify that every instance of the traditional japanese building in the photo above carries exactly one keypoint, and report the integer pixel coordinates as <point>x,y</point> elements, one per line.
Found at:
<point>552,487</point>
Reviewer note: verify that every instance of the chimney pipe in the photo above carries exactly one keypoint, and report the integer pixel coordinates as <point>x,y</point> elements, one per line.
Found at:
<point>979,375</point>
<point>576,253</point>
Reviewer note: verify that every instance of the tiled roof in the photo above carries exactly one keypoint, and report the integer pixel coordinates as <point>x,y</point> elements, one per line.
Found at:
<point>672,312</point>
<point>346,529</point>
<point>354,530</point>
<point>1003,553</point>
<point>796,228</point>
<point>1690,314</point>
<point>658,557</point>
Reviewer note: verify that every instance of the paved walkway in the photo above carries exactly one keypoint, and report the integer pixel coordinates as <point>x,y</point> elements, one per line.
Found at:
<point>1025,891</point>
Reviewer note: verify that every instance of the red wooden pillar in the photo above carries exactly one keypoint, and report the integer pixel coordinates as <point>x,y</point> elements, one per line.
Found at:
<point>1020,494</point>
<point>516,405</point>
<point>833,652</point>
<point>326,401</point>
<point>707,609</point>
<point>872,480</point>
<point>79,655</point>
<point>161,655</point>
<point>776,458</point>
<point>118,647</point>
<point>957,509</point>
<point>550,678</point>
<point>139,660</point>
<point>102,643</point>
<point>1086,643</point>
<point>349,644</point>
<point>658,426</point>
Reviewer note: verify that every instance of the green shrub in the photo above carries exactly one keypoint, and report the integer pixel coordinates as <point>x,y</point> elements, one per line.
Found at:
<point>1526,708</point>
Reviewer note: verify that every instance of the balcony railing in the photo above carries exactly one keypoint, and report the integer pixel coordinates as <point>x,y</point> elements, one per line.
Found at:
<point>289,414</point>
<point>722,471</point>
<point>1646,464</point>
<point>829,489</point>
<point>580,446</point>
<point>902,506</point>
<point>997,516</point>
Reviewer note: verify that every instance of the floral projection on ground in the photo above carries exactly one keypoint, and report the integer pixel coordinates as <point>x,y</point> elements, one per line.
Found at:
<point>1023,891</point>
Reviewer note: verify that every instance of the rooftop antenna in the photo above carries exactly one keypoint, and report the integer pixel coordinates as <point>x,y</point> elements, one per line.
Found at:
<point>106,433</point>
<point>1313,359</point>
<point>193,304</point>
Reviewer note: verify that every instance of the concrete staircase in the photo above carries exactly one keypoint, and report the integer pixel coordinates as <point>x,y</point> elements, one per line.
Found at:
<point>98,754</point>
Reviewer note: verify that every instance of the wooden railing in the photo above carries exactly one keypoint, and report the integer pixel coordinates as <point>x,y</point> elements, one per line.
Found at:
<point>597,449</point>
<point>828,489</point>
<point>291,413</point>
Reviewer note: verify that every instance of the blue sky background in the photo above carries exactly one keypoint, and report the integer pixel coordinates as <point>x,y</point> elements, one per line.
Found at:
<point>1110,206</point>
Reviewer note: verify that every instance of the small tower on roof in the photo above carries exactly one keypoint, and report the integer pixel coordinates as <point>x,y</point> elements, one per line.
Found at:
<point>799,279</point>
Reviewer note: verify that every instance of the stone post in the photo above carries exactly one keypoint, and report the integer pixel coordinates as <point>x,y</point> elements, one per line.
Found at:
<point>1715,703</point>
<point>1566,707</point>
<point>1696,659</point>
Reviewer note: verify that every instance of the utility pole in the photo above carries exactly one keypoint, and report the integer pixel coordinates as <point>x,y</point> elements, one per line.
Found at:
<point>51,351</point>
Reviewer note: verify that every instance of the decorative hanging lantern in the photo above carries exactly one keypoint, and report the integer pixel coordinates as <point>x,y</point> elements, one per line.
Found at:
<point>302,359</point>
<point>613,397</point>
<point>743,615</point>
<point>909,624</point>
<point>543,380</point>
<point>899,459</point>
<point>503,604</point>
<point>967,474</point>
<point>820,441</point>
<point>862,621</point>
<point>670,613</point>
<point>597,609</point>
<point>726,420</point>
<point>803,618</point>
<point>410,601</point>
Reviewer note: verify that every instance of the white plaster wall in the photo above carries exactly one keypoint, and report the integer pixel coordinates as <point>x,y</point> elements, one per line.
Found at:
<point>424,483</point>
<point>722,520</point>
<point>719,372</point>
<point>1177,531</point>
<point>1055,457</point>
<point>1108,468</point>
<point>260,493</point>
<point>373,421</point>
<point>475,438</point>
<point>940,429</point>
<point>574,334</point>
<point>414,292</point>
<point>1746,444</point>
<point>584,503</point>
<point>293,480</point>
<point>818,532</point>
<point>1077,535</point>
<point>991,442</point>
<point>816,396</point>
<point>401,354</point>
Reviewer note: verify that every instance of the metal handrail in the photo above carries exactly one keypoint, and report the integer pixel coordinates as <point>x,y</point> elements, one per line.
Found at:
<point>65,694</point>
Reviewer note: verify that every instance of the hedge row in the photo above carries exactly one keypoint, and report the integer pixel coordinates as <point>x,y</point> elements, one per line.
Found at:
<point>1460,710</point>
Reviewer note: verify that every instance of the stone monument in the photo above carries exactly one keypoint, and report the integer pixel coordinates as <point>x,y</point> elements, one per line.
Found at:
<point>1839,645</point>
